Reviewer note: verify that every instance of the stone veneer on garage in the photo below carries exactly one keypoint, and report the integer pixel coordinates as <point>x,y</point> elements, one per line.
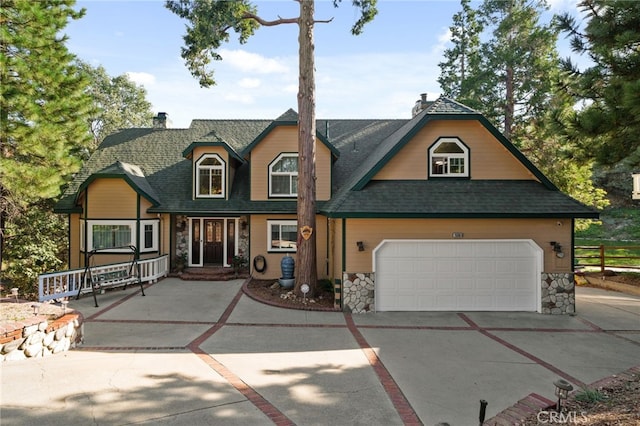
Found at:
<point>558,293</point>
<point>39,337</point>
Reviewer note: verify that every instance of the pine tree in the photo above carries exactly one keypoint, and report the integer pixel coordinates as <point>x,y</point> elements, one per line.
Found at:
<point>607,127</point>
<point>462,61</point>
<point>211,22</point>
<point>520,63</point>
<point>44,106</point>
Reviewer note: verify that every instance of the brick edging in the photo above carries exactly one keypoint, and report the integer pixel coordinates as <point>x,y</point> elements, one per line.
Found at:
<point>250,294</point>
<point>534,403</point>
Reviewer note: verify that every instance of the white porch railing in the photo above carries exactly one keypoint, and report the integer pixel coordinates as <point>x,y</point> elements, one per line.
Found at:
<point>57,285</point>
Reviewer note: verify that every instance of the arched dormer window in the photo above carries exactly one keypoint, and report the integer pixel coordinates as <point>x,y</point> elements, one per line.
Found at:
<point>448,157</point>
<point>210,177</point>
<point>283,176</point>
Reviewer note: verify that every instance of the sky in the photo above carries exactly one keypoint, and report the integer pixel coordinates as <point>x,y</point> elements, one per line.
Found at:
<point>378,74</point>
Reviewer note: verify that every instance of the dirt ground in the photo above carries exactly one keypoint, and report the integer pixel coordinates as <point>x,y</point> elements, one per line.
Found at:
<point>271,292</point>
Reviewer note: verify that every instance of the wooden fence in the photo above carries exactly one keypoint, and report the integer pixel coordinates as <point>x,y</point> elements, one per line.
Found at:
<point>607,257</point>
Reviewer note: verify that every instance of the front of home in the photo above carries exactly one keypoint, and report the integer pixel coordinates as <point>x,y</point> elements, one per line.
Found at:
<point>436,212</point>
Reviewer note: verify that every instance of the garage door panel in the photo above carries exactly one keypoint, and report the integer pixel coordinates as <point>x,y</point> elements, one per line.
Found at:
<point>458,275</point>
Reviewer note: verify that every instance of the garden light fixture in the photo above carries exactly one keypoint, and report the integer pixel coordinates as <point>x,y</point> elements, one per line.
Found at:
<point>562,392</point>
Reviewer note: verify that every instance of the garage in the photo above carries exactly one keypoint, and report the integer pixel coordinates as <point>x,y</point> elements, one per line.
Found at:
<point>457,275</point>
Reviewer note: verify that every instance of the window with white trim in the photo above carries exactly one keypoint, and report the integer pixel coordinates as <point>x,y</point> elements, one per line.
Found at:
<point>282,235</point>
<point>283,176</point>
<point>210,173</point>
<point>116,234</point>
<point>448,157</point>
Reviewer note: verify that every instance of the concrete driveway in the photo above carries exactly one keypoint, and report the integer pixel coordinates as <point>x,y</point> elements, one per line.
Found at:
<point>203,353</point>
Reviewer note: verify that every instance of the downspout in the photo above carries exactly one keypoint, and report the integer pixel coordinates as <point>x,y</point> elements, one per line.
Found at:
<point>344,246</point>
<point>137,245</point>
<point>86,229</point>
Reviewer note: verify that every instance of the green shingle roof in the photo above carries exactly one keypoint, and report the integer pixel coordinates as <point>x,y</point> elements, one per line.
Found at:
<point>360,147</point>
<point>457,198</point>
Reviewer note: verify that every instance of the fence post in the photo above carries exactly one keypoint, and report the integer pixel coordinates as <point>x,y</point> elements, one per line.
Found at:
<point>602,258</point>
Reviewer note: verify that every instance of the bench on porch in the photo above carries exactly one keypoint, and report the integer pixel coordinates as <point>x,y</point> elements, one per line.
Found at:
<point>104,277</point>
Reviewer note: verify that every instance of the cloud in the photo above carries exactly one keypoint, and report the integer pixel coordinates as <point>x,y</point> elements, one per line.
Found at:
<point>240,98</point>
<point>143,78</point>
<point>444,38</point>
<point>249,83</point>
<point>253,62</point>
<point>563,5</point>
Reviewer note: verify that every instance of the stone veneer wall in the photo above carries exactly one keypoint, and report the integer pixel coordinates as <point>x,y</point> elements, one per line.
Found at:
<point>40,337</point>
<point>358,292</point>
<point>558,293</point>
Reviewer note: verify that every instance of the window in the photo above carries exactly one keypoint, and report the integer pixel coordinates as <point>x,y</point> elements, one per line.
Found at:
<point>283,176</point>
<point>282,235</point>
<point>110,236</point>
<point>210,177</point>
<point>449,157</point>
<point>115,234</point>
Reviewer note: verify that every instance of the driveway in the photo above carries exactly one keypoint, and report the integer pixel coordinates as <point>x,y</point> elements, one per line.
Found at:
<point>202,353</point>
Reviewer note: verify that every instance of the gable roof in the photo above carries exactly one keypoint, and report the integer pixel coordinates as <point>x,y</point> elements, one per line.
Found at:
<point>157,168</point>
<point>131,173</point>
<point>289,118</point>
<point>442,109</point>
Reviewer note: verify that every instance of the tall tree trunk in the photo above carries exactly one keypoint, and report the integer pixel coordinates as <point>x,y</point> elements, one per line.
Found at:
<point>306,266</point>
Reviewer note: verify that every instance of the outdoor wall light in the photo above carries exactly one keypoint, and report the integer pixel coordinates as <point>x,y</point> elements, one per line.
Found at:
<point>562,391</point>
<point>360,245</point>
<point>557,248</point>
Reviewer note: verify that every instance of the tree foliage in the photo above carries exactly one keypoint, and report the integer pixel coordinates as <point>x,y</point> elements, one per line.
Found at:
<point>211,23</point>
<point>463,60</point>
<point>607,126</point>
<point>44,108</point>
<point>44,103</point>
<point>514,79</point>
<point>119,103</point>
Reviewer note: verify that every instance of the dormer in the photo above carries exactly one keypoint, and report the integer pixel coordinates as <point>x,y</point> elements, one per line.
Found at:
<point>273,157</point>
<point>214,164</point>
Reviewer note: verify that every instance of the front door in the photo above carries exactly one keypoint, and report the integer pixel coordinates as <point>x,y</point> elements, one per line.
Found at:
<point>213,241</point>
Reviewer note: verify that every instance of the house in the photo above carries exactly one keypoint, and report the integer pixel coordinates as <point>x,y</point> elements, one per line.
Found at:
<point>436,212</point>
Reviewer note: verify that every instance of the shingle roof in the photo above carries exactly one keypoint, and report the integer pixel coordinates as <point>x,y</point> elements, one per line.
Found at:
<point>360,147</point>
<point>456,198</point>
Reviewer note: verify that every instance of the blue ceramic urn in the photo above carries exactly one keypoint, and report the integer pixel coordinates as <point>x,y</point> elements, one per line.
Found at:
<point>288,265</point>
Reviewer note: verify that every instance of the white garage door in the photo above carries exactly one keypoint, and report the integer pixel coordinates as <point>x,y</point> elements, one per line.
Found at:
<point>452,275</point>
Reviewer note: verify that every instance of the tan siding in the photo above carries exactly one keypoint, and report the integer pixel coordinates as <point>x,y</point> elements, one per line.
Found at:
<point>111,198</point>
<point>165,235</point>
<point>285,139</point>
<point>323,172</point>
<point>281,139</point>
<point>74,241</point>
<point>335,258</point>
<point>488,157</point>
<point>374,231</point>
<point>258,229</point>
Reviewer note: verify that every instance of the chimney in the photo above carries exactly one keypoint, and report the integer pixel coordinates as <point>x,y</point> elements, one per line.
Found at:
<point>420,105</point>
<point>160,120</point>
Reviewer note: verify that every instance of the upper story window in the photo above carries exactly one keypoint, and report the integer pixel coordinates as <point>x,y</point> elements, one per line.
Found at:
<point>448,157</point>
<point>283,176</point>
<point>210,176</point>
